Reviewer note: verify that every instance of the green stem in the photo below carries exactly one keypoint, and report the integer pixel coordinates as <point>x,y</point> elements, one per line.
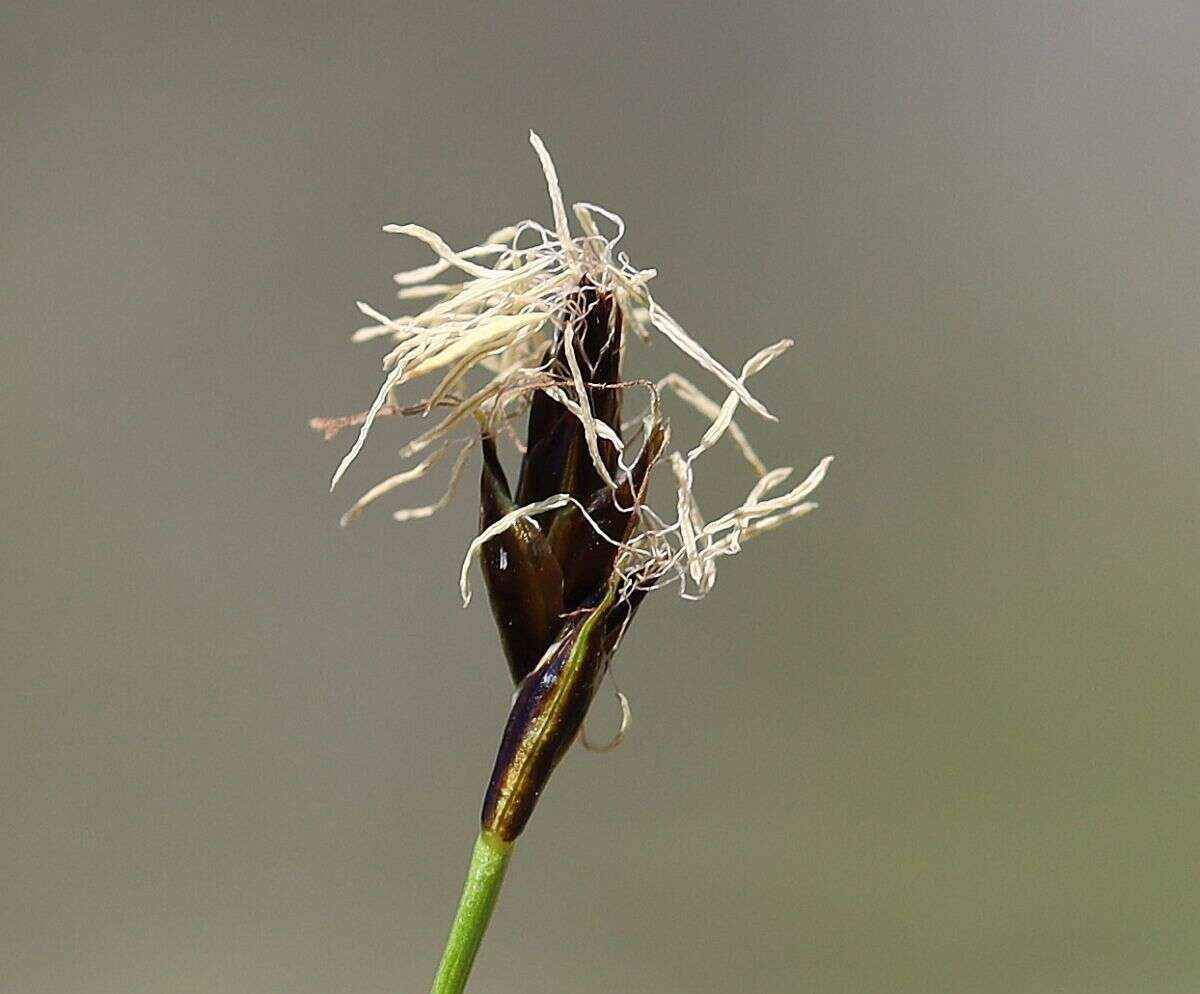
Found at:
<point>489,860</point>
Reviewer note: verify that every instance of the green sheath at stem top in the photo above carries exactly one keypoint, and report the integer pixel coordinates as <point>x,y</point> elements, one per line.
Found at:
<point>489,860</point>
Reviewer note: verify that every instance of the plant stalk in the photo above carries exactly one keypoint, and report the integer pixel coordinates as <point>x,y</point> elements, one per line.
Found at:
<point>489,860</point>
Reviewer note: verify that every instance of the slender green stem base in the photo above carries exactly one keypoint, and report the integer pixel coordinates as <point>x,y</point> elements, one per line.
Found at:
<point>489,860</point>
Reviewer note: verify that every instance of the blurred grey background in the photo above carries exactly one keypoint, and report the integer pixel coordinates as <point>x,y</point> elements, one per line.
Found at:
<point>939,736</point>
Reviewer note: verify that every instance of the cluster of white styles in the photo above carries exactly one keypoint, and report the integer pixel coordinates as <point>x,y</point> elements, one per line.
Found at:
<point>486,330</point>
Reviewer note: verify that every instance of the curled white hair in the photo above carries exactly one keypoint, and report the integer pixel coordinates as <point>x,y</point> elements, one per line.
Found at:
<point>515,291</point>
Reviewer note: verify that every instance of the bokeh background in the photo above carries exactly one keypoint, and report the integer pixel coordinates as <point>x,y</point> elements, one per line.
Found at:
<point>939,736</point>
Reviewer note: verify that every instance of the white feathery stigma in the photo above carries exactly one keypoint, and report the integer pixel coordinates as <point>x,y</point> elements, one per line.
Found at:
<point>513,292</point>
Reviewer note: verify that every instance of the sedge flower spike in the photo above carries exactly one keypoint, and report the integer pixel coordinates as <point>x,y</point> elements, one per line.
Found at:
<point>532,325</point>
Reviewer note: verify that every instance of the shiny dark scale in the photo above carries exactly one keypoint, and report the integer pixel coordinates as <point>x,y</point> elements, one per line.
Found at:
<point>551,581</point>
